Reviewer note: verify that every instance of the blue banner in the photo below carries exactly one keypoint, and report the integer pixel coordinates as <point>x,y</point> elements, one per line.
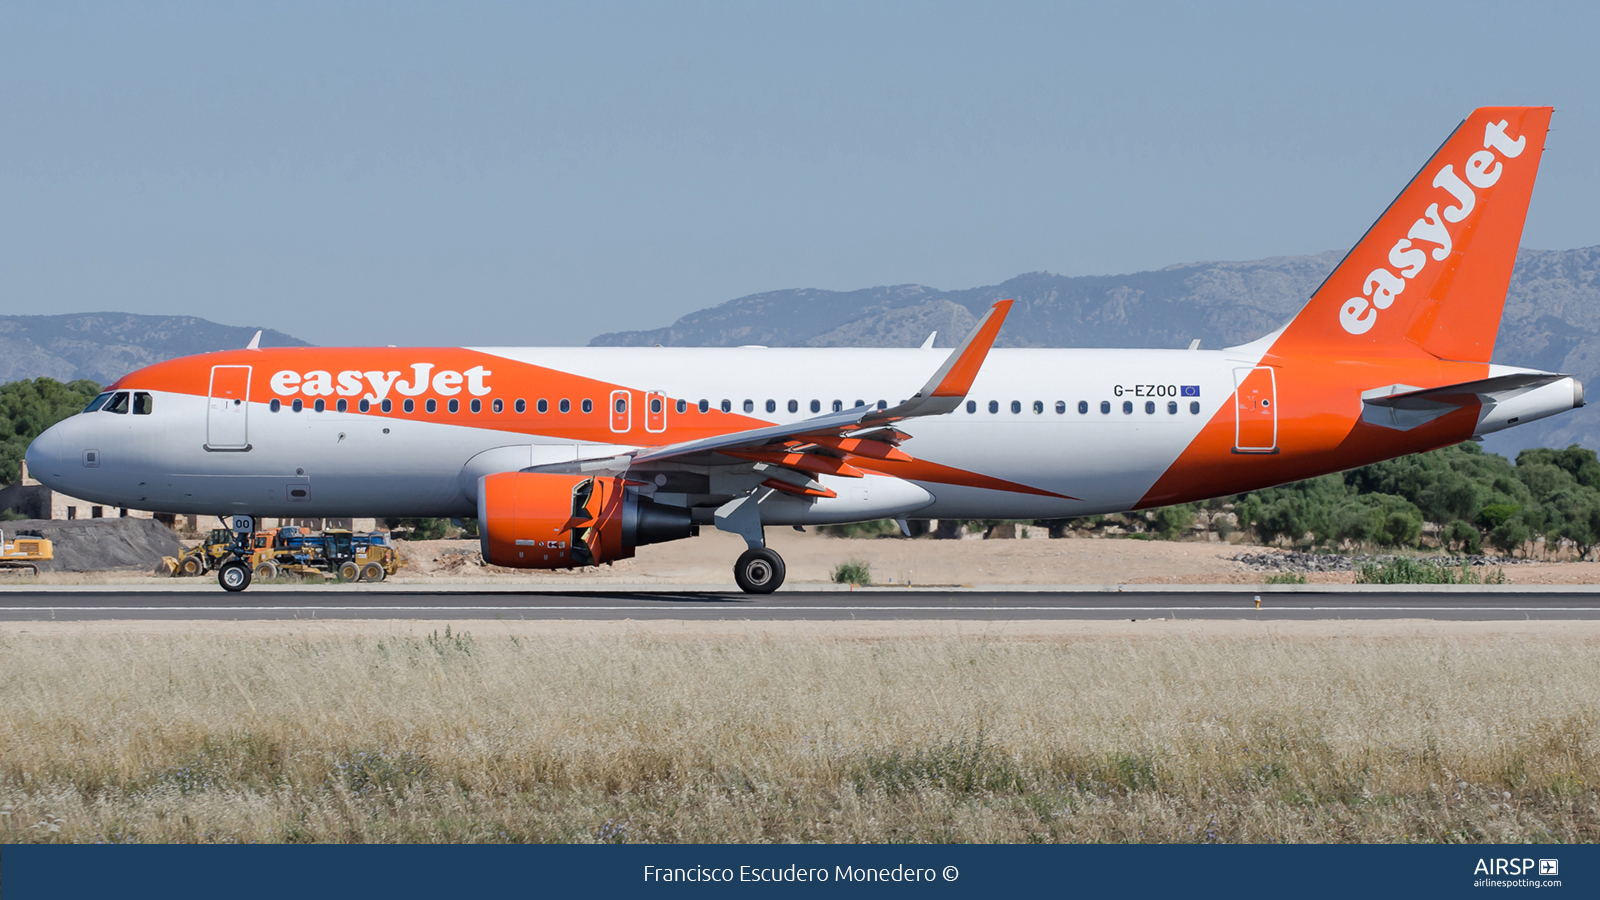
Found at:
<point>345,872</point>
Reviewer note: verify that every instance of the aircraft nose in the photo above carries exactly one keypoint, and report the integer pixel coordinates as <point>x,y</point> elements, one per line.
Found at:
<point>47,457</point>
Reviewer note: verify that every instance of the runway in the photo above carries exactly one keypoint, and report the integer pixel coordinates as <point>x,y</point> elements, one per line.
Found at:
<point>973,605</point>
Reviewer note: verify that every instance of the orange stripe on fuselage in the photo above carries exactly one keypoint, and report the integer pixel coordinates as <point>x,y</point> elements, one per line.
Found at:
<point>1319,427</point>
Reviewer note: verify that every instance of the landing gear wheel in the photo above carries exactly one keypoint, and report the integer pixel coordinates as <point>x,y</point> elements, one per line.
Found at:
<point>372,572</point>
<point>234,576</point>
<point>349,571</point>
<point>758,571</point>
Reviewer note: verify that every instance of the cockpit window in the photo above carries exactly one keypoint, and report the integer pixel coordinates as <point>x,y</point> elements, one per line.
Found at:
<point>142,404</point>
<point>118,404</point>
<point>97,402</point>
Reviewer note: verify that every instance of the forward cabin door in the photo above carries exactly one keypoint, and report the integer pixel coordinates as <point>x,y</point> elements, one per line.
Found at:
<point>228,409</point>
<point>1256,407</point>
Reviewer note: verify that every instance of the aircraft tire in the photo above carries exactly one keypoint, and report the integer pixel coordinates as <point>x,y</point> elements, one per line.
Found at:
<point>372,572</point>
<point>234,576</point>
<point>759,571</point>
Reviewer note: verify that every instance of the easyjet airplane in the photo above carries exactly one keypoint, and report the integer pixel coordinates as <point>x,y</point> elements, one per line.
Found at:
<point>575,456</point>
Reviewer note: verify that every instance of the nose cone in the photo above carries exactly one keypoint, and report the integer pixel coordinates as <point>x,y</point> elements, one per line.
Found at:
<point>47,458</point>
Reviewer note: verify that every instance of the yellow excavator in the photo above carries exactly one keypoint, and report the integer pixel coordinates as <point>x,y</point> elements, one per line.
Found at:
<point>25,551</point>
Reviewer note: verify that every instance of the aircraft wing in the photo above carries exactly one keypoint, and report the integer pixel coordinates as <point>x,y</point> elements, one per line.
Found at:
<point>942,393</point>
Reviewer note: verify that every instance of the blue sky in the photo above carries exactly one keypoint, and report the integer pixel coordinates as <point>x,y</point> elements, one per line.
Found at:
<point>480,173</point>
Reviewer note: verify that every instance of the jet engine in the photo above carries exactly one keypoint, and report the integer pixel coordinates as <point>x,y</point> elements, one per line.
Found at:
<point>535,520</point>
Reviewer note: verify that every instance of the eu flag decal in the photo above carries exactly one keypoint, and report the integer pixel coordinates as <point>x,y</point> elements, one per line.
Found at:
<point>1190,390</point>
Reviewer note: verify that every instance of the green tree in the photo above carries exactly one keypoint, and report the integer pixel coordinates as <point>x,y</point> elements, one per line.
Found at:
<point>27,408</point>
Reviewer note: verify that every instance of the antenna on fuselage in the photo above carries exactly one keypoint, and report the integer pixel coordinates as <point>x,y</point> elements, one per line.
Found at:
<point>928,344</point>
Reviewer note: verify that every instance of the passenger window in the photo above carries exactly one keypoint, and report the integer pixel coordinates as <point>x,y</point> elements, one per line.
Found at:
<point>749,406</point>
<point>1194,407</point>
<point>1105,407</point>
<point>1172,407</point>
<point>1016,406</point>
<point>498,405</point>
<point>683,406</point>
<point>655,406</point>
<point>521,405</point>
<point>97,402</point>
<point>299,404</point>
<point>433,405</point>
<point>838,406</point>
<point>705,405</point>
<point>727,406</point>
<point>1150,407</point>
<point>477,405</point>
<point>565,405</point>
<point>772,406</point>
<point>816,406</point>
<point>408,406</point>
<point>344,406</point>
<point>388,406</point>
<point>364,405</point>
<point>1127,407</point>
<point>588,405</point>
<point>118,404</point>
<point>320,405</point>
<point>277,404</point>
<point>1061,407</point>
<point>455,405</point>
<point>994,406</point>
<point>1083,407</point>
<point>542,406</point>
<point>972,406</point>
<point>1038,407</point>
<point>883,404</point>
<point>794,406</point>
<point>860,403</point>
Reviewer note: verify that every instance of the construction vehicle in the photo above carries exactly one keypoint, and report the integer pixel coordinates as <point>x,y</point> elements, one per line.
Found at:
<point>336,552</point>
<point>25,551</point>
<point>207,556</point>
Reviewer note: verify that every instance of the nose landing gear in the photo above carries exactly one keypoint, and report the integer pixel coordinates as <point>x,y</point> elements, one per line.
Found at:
<point>234,575</point>
<point>759,571</point>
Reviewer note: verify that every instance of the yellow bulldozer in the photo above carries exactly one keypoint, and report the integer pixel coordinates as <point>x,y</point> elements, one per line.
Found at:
<point>25,551</point>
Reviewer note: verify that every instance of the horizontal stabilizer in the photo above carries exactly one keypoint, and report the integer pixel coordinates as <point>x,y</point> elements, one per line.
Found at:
<point>1464,393</point>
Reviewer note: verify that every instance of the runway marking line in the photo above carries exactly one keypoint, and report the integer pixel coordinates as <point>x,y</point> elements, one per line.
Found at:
<point>719,608</point>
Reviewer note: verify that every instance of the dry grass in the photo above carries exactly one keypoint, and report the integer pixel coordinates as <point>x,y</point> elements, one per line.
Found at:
<point>1170,738</point>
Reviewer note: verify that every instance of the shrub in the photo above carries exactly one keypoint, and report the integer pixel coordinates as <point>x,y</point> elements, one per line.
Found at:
<point>1286,578</point>
<point>1414,571</point>
<point>852,572</point>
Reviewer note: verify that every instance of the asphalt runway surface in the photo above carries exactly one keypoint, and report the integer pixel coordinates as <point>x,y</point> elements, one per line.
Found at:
<point>23,606</point>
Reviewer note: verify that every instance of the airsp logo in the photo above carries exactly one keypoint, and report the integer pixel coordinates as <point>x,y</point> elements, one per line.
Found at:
<point>1549,867</point>
<point>1381,286</point>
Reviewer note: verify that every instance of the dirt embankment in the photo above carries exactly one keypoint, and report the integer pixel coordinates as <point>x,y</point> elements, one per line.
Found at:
<point>100,545</point>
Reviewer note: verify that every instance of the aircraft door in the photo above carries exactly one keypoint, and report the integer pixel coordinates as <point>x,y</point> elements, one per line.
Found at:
<point>228,409</point>
<point>1256,409</point>
<point>621,414</point>
<point>655,412</point>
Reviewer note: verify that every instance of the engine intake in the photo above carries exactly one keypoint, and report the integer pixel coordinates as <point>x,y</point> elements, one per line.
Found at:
<point>535,520</point>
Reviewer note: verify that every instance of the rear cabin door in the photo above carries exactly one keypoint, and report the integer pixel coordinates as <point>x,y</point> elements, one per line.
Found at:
<point>228,409</point>
<point>621,413</point>
<point>1256,405</point>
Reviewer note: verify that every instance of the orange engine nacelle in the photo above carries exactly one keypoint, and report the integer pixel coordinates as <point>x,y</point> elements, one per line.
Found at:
<point>534,520</point>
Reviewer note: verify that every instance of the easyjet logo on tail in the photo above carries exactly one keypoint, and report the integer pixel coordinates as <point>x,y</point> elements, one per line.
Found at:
<point>1382,285</point>
<point>322,383</point>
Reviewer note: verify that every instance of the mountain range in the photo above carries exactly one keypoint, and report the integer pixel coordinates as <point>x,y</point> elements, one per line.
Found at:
<point>103,347</point>
<point>1552,317</point>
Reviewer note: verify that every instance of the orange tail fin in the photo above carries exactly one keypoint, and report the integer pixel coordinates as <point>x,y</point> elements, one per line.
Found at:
<point>1432,272</point>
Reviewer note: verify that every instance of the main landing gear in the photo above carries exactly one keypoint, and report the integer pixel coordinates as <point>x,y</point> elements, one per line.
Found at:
<point>759,571</point>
